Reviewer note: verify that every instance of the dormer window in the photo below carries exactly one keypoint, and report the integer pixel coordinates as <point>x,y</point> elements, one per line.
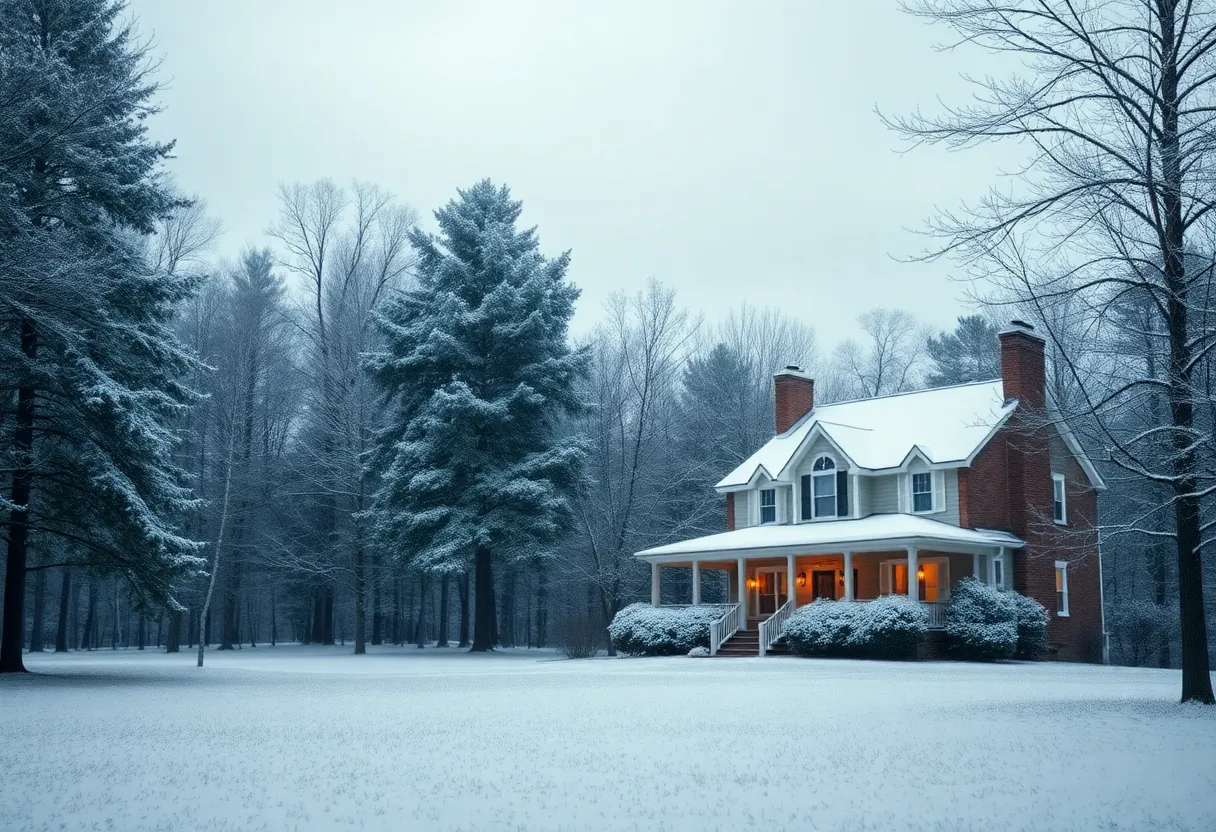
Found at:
<point>768,505</point>
<point>823,486</point>
<point>922,493</point>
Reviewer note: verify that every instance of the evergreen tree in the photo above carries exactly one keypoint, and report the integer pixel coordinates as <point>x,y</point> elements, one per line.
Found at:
<point>479,375</point>
<point>89,367</point>
<point>967,354</point>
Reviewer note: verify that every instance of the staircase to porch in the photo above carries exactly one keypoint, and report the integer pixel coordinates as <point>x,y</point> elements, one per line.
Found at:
<point>747,642</point>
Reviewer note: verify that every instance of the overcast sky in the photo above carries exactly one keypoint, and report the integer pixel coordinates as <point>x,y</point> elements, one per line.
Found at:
<point>731,150</point>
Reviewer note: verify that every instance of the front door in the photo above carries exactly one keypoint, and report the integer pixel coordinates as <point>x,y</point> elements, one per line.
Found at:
<point>823,584</point>
<point>771,590</point>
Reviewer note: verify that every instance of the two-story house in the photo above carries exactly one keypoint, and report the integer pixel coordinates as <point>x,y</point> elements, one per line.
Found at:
<point>909,494</point>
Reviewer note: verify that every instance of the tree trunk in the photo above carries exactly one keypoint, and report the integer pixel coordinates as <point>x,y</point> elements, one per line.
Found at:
<point>444,581</point>
<point>420,625</point>
<point>318,616</point>
<point>90,613</point>
<point>143,630</point>
<point>173,640</point>
<point>506,627</point>
<point>464,608</point>
<point>65,600</point>
<point>12,630</point>
<point>377,615</point>
<point>360,600</point>
<point>484,619</point>
<point>327,628</point>
<point>542,607</point>
<point>274,621</point>
<point>39,611</point>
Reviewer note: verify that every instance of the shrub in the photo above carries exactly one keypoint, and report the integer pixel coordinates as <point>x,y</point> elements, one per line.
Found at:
<point>699,653</point>
<point>579,636</point>
<point>981,621</point>
<point>891,628</point>
<point>1032,627</point>
<point>643,630</point>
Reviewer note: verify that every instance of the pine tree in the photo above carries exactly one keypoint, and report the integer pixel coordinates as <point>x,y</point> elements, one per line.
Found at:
<point>86,349</point>
<point>479,374</point>
<point>967,354</point>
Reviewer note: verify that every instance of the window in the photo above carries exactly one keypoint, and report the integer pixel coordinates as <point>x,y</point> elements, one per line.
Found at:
<point>768,505</point>
<point>1062,588</point>
<point>922,493</point>
<point>998,573</point>
<point>823,483</point>
<point>1059,512</point>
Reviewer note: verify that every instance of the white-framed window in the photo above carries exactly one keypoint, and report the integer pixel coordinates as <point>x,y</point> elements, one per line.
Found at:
<point>922,493</point>
<point>768,505</point>
<point>1059,509</point>
<point>998,573</point>
<point>823,487</point>
<point>1062,588</point>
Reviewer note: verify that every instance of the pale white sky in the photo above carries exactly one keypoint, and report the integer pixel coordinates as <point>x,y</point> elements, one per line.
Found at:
<point>729,149</point>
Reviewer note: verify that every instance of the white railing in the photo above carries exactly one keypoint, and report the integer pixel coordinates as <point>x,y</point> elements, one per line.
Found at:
<point>937,614</point>
<point>770,628</point>
<point>725,627</point>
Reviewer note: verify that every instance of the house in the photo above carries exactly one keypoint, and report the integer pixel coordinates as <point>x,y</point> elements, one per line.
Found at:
<point>908,494</point>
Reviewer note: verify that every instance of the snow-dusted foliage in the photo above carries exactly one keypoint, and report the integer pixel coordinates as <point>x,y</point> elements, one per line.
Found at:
<point>643,630</point>
<point>890,627</point>
<point>87,355</point>
<point>698,653</point>
<point>982,621</point>
<point>1032,626</point>
<point>479,375</point>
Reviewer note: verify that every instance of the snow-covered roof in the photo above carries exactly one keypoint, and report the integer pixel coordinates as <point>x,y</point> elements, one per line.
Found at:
<point>945,424</point>
<point>831,535</point>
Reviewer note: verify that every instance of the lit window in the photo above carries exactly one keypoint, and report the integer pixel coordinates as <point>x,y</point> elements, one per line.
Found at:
<point>768,505</point>
<point>1059,512</point>
<point>922,493</point>
<point>1062,588</point>
<point>823,479</point>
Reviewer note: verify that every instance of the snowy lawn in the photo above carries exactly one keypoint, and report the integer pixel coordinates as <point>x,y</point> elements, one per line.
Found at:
<point>310,738</point>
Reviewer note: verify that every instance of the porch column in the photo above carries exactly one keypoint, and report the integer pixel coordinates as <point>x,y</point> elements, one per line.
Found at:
<point>696,581</point>
<point>849,589</point>
<point>741,573</point>
<point>913,584</point>
<point>654,584</point>
<point>790,587</point>
<point>975,565</point>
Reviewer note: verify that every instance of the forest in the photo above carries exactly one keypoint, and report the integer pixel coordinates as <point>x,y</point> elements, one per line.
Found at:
<point>374,425</point>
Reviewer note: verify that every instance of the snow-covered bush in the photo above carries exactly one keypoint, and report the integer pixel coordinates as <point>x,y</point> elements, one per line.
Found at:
<point>982,621</point>
<point>578,636</point>
<point>891,627</point>
<point>698,653</point>
<point>643,630</point>
<point>1139,628</point>
<point>1032,627</point>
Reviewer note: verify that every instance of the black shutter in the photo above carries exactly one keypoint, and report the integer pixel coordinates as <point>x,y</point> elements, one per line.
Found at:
<point>842,494</point>
<point>806,496</point>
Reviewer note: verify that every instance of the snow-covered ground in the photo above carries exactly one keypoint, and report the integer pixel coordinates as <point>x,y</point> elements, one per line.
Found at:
<point>315,738</point>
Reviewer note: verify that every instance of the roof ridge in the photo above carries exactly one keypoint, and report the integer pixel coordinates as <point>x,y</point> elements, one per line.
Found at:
<point>908,393</point>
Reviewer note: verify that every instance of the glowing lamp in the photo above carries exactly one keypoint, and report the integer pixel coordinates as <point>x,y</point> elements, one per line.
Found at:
<point>801,580</point>
<point>752,583</point>
<point>920,574</point>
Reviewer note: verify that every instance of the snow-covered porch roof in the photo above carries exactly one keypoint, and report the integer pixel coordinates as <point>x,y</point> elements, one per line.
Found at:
<point>876,533</point>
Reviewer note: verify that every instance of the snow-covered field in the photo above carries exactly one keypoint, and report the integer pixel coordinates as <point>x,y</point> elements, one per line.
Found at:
<point>315,738</point>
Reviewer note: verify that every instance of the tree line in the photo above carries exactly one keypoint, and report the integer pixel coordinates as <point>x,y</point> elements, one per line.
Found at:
<point>358,431</point>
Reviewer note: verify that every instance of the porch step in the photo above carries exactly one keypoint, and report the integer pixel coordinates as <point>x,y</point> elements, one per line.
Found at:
<point>747,643</point>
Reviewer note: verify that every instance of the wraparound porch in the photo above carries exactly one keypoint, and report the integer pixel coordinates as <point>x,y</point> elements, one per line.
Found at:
<point>773,570</point>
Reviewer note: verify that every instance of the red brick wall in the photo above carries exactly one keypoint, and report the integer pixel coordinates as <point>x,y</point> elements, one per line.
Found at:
<point>730,511</point>
<point>793,398</point>
<point>1009,486</point>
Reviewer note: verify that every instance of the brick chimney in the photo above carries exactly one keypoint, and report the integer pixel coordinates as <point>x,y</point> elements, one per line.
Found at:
<point>793,396</point>
<point>1028,456</point>
<point>1023,369</point>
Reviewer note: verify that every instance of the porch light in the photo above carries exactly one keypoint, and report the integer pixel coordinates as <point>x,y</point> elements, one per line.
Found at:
<point>920,574</point>
<point>801,580</point>
<point>752,583</point>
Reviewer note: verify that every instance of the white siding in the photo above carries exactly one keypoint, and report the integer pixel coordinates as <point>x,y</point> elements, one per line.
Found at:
<point>883,494</point>
<point>743,515</point>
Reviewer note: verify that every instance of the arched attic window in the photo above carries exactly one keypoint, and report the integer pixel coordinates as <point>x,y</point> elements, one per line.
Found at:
<point>825,490</point>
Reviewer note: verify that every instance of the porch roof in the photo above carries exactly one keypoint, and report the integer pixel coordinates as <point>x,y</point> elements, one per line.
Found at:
<point>871,533</point>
